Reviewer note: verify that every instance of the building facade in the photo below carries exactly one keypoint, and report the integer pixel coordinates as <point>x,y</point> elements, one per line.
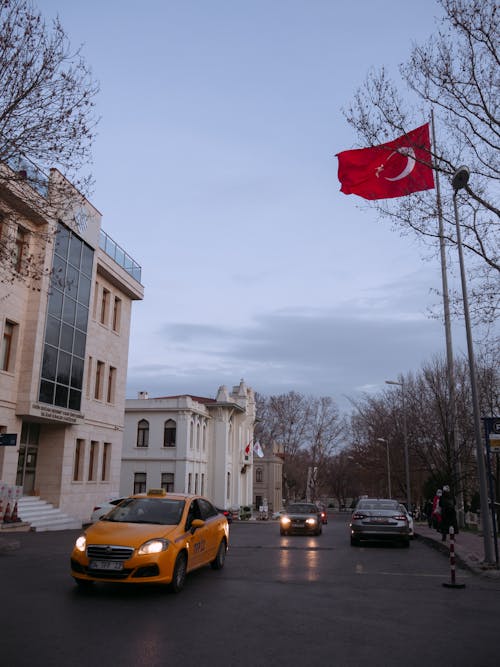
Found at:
<point>268,479</point>
<point>190,444</point>
<point>64,335</point>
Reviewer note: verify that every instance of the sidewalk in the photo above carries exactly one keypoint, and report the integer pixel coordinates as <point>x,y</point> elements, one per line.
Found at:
<point>469,549</point>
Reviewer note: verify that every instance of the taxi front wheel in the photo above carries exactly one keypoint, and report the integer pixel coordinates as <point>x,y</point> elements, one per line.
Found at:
<point>179,576</point>
<point>220,558</point>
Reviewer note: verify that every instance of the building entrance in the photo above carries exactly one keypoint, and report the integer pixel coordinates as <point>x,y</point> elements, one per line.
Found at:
<point>28,453</point>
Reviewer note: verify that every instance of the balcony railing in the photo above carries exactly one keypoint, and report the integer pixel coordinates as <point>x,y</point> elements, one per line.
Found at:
<point>117,253</point>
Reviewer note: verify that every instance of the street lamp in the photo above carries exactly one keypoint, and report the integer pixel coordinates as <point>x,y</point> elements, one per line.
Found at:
<point>458,182</point>
<point>388,465</point>
<point>405,441</point>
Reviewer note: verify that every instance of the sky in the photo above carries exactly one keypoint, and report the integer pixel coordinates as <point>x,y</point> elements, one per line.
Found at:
<point>215,169</point>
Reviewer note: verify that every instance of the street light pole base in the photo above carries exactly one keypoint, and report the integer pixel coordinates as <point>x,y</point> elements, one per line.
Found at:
<point>450,585</point>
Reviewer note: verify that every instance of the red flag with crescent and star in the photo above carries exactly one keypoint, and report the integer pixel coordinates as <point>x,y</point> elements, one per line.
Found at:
<point>394,169</point>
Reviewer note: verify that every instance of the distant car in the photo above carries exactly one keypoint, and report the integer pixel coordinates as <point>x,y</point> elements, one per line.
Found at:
<point>379,519</point>
<point>151,538</point>
<point>104,507</point>
<point>227,513</point>
<point>278,515</point>
<point>301,518</point>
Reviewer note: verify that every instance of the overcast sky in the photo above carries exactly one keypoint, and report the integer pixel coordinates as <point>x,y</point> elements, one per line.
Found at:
<point>215,169</point>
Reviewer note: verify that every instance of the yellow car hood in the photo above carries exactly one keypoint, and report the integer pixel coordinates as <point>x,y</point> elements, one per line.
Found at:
<point>127,534</point>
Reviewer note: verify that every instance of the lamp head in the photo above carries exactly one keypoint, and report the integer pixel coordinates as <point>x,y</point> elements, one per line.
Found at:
<point>460,178</point>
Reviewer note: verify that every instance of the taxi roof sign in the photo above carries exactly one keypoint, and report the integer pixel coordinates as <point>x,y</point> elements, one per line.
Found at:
<point>157,492</point>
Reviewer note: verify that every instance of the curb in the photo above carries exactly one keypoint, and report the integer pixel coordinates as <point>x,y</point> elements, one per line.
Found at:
<point>487,572</point>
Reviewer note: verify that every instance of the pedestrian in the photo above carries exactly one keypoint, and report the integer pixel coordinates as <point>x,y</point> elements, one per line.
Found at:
<point>436,511</point>
<point>448,513</point>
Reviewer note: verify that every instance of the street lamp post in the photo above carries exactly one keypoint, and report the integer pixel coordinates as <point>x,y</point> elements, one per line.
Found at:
<point>405,441</point>
<point>388,466</point>
<point>459,181</point>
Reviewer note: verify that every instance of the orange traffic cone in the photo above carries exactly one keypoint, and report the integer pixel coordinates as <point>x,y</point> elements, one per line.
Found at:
<point>14,518</point>
<point>6,518</point>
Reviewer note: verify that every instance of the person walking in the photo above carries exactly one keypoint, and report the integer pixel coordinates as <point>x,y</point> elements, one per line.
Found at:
<point>448,513</point>
<point>436,511</point>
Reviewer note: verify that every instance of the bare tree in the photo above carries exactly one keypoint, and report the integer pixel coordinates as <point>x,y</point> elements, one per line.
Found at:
<point>47,120</point>
<point>457,75</point>
<point>308,429</point>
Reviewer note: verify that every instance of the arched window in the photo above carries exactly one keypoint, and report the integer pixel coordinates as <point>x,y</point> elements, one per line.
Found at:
<point>169,433</point>
<point>143,433</point>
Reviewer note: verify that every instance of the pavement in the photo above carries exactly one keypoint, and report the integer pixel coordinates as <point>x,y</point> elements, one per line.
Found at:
<point>468,548</point>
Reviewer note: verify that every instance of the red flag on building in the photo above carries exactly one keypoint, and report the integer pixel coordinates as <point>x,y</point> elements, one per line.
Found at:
<point>394,169</point>
<point>247,448</point>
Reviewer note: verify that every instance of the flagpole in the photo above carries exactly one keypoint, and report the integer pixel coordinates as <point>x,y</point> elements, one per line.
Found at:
<point>449,345</point>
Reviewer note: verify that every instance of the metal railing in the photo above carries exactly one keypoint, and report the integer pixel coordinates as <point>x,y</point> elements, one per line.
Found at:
<point>119,255</point>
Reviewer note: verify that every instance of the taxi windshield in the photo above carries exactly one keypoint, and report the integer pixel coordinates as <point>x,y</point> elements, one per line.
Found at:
<point>162,511</point>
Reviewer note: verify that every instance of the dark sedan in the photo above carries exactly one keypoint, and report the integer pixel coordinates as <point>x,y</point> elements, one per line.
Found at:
<point>379,519</point>
<point>301,518</point>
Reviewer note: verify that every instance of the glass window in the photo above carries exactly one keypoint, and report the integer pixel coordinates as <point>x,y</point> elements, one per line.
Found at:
<point>169,433</point>
<point>49,363</point>
<point>143,433</point>
<point>67,320</point>
<point>7,343</point>
<point>63,367</point>
<point>55,302</point>
<point>66,341</point>
<point>75,251</point>
<point>99,380</point>
<point>167,481</point>
<point>140,482</point>
<point>78,464</point>
<point>94,446</point>
<point>106,459</point>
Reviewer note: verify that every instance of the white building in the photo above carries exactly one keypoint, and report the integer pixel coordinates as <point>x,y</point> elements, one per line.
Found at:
<point>190,444</point>
<point>64,336</point>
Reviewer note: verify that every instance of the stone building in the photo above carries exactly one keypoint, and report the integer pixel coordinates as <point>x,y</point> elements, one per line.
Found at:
<point>64,335</point>
<point>191,444</point>
<point>268,479</point>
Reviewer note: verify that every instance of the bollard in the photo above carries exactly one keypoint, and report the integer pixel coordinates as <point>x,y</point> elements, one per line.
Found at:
<point>452,583</point>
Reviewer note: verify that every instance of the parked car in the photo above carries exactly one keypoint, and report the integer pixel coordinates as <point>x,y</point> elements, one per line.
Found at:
<point>104,507</point>
<point>152,537</point>
<point>301,518</point>
<point>379,519</point>
<point>227,513</point>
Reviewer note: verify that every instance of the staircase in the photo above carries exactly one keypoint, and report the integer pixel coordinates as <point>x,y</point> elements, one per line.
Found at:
<point>43,516</point>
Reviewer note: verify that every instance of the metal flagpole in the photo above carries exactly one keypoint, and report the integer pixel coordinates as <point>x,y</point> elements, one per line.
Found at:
<point>457,468</point>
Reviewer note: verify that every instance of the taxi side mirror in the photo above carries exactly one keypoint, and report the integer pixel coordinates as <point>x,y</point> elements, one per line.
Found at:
<point>196,523</point>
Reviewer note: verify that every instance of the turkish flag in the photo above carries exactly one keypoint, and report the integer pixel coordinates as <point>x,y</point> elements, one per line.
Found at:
<point>394,169</point>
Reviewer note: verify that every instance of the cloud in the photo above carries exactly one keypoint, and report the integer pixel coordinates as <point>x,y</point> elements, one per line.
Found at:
<point>336,352</point>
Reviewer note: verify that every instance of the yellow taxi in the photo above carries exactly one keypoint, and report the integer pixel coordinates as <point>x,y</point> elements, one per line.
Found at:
<point>155,537</point>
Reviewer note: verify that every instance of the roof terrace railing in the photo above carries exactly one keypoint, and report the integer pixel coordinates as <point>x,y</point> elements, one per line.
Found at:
<point>122,258</point>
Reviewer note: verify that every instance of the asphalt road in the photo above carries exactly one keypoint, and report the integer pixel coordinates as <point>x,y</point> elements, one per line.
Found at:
<point>278,601</point>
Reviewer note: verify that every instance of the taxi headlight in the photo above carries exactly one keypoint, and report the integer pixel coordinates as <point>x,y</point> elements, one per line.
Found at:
<point>311,522</point>
<point>153,547</point>
<point>81,543</point>
<point>285,520</point>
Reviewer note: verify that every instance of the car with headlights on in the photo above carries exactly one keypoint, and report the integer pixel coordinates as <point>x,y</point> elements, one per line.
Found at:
<point>301,518</point>
<point>377,519</point>
<point>154,537</point>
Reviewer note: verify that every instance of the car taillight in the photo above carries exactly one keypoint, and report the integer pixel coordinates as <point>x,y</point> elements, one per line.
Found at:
<point>358,515</point>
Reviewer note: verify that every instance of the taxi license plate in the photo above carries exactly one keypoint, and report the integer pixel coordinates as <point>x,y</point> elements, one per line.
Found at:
<point>380,519</point>
<point>106,565</point>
